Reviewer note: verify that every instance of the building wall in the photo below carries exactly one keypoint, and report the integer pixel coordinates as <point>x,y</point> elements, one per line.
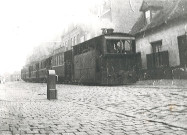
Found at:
<point>168,34</point>
<point>15,77</point>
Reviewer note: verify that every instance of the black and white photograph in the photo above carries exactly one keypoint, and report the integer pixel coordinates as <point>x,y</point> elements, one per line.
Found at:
<point>93,67</point>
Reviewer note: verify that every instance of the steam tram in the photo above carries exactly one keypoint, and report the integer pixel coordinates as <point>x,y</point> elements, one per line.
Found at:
<point>109,59</point>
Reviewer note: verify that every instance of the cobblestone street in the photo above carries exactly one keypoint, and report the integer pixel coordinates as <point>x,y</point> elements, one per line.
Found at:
<point>152,108</point>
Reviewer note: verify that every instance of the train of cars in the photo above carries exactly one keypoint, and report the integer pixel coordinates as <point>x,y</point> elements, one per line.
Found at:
<point>108,59</point>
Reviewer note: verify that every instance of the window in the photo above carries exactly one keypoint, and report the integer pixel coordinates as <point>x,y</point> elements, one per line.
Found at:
<point>156,46</point>
<point>60,59</point>
<point>72,42</point>
<point>78,39</point>
<point>66,44</point>
<point>119,46</point>
<point>82,39</point>
<point>148,16</point>
<point>75,40</point>
<point>55,60</point>
<point>153,13</point>
<point>157,58</point>
<point>69,43</point>
<point>105,7</point>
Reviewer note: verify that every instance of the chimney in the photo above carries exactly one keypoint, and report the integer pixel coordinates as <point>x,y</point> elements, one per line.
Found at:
<point>109,31</point>
<point>104,31</point>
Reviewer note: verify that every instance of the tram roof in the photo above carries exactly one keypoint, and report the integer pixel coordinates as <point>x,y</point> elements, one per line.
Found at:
<point>114,34</point>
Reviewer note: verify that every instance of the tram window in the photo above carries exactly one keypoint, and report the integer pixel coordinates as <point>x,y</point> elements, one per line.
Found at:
<point>128,45</point>
<point>57,60</point>
<point>60,59</point>
<point>119,46</point>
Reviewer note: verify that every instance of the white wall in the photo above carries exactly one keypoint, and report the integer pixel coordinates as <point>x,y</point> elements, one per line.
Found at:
<point>168,34</point>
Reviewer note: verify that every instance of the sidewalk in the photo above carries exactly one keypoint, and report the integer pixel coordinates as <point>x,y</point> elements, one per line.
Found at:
<point>175,83</point>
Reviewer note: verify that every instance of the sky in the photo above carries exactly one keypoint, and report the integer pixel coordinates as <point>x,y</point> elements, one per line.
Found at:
<point>25,24</point>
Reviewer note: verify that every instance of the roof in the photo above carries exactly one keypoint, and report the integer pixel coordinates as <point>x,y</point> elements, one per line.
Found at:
<point>172,9</point>
<point>119,34</point>
<point>151,3</point>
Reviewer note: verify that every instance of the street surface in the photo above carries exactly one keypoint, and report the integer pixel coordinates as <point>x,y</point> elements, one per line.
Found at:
<point>146,108</point>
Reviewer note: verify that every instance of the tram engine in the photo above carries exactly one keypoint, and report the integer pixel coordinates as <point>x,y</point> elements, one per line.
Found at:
<point>109,59</point>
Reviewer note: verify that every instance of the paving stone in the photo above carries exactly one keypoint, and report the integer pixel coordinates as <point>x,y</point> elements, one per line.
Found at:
<point>119,133</point>
<point>68,134</point>
<point>4,128</point>
<point>93,132</point>
<point>81,133</point>
<point>71,130</point>
<point>5,133</point>
<point>181,132</point>
<point>94,110</point>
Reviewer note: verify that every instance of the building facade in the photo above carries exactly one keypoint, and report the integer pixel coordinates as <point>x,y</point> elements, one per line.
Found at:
<point>161,36</point>
<point>16,76</point>
<point>76,34</point>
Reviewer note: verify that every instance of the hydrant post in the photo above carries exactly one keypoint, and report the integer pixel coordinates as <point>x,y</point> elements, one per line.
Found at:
<point>51,85</point>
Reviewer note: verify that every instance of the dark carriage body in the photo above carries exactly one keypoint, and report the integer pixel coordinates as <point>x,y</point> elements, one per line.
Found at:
<point>42,71</point>
<point>95,62</point>
<point>25,73</point>
<point>36,71</point>
<point>58,65</point>
<point>84,60</point>
<point>44,65</point>
<point>84,67</point>
<point>68,62</point>
<point>32,75</point>
<point>33,72</point>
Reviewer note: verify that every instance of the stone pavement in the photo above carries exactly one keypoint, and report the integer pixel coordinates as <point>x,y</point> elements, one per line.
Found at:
<point>146,108</point>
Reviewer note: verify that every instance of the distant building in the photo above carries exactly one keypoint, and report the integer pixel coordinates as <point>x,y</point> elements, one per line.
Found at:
<point>16,76</point>
<point>5,77</point>
<point>76,34</point>
<point>161,34</point>
<point>1,79</point>
<point>119,15</point>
